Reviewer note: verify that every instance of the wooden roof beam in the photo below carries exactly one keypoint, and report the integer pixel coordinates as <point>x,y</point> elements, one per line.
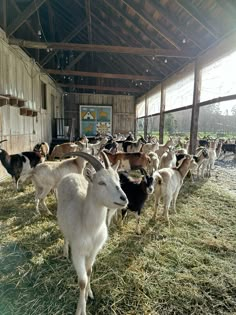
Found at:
<point>51,19</point>
<point>102,88</point>
<point>228,8</point>
<point>153,23</point>
<point>4,14</point>
<point>131,20</point>
<point>21,19</point>
<point>198,16</point>
<point>118,34</point>
<point>68,38</point>
<point>103,75</point>
<point>88,14</point>
<point>104,48</point>
<point>27,22</point>
<point>171,18</point>
<point>75,61</point>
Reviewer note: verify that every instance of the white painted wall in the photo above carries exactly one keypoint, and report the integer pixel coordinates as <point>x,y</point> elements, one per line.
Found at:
<point>21,77</point>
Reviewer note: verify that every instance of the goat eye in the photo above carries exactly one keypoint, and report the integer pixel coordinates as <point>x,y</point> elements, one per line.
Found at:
<point>102,183</point>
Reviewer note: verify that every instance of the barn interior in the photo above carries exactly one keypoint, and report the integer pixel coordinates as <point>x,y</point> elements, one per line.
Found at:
<point>150,68</point>
<point>134,57</point>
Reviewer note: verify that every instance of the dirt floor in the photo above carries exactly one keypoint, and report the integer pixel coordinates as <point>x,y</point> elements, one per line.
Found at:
<point>224,173</point>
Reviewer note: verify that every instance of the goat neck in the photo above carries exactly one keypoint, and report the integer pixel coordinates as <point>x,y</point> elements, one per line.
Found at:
<point>5,158</point>
<point>185,166</point>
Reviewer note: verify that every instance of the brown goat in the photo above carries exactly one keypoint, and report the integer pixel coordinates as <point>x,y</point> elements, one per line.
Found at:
<point>129,161</point>
<point>61,149</point>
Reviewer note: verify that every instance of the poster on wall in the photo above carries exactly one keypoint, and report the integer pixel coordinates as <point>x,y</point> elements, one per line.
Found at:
<point>95,119</point>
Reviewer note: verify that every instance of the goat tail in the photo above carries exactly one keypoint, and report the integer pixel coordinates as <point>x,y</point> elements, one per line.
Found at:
<point>158,178</point>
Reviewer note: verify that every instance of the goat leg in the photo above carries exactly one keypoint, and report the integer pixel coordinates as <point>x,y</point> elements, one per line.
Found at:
<point>138,229</point>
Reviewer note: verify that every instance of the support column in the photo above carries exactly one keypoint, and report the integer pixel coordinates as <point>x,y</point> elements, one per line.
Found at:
<point>145,119</point>
<point>195,109</point>
<point>162,115</point>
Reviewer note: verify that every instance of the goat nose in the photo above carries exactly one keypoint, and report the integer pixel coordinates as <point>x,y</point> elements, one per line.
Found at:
<point>123,198</point>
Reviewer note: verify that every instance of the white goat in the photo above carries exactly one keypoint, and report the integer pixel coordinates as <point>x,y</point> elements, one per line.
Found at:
<point>150,147</point>
<point>168,159</point>
<point>154,162</point>
<point>164,147</point>
<point>81,212</point>
<point>46,177</point>
<point>209,163</point>
<point>168,184</point>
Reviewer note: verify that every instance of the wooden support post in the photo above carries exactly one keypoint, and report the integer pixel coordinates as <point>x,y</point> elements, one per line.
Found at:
<point>195,109</point>
<point>145,119</point>
<point>162,115</point>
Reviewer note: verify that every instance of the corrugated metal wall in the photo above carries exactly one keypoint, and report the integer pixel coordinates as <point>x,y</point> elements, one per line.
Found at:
<point>21,77</point>
<point>123,110</point>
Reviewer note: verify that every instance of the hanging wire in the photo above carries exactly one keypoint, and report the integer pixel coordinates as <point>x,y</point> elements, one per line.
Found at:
<point>39,21</point>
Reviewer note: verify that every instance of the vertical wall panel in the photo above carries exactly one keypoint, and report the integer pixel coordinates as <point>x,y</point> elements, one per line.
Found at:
<point>20,77</point>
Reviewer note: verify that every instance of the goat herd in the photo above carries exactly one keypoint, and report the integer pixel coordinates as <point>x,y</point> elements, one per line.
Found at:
<point>93,181</point>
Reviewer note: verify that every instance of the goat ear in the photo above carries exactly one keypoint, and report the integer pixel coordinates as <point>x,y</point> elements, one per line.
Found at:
<point>88,174</point>
<point>116,166</point>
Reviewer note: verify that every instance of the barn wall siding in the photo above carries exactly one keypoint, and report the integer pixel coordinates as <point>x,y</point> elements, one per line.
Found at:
<point>123,110</point>
<point>21,78</point>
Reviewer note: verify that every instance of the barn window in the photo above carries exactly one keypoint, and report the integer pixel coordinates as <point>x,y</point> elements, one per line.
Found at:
<point>180,92</point>
<point>44,95</point>
<point>140,108</point>
<point>153,102</point>
<point>218,78</point>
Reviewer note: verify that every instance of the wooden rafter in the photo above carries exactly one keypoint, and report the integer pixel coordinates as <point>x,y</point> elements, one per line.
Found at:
<point>105,48</point>
<point>104,75</point>
<point>158,27</point>
<point>75,61</point>
<point>198,16</point>
<point>133,22</point>
<point>121,38</point>
<point>171,18</point>
<point>4,14</point>
<point>51,19</point>
<point>22,18</point>
<point>88,14</point>
<point>101,88</point>
<point>228,7</point>
<point>27,22</point>
<point>68,38</point>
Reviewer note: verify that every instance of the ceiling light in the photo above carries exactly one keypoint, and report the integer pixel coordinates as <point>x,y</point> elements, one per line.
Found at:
<point>165,61</point>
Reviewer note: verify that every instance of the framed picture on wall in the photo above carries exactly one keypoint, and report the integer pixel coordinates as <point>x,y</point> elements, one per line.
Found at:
<point>95,119</point>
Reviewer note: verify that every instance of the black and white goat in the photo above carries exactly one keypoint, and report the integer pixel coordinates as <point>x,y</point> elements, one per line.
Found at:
<point>42,148</point>
<point>137,193</point>
<point>133,146</point>
<point>18,165</point>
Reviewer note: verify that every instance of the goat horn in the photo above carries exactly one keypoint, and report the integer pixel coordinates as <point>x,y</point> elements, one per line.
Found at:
<point>143,171</point>
<point>3,140</point>
<point>105,159</point>
<point>90,158</point>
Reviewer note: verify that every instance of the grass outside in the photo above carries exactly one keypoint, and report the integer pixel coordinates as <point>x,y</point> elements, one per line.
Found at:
<point>187,269</point>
